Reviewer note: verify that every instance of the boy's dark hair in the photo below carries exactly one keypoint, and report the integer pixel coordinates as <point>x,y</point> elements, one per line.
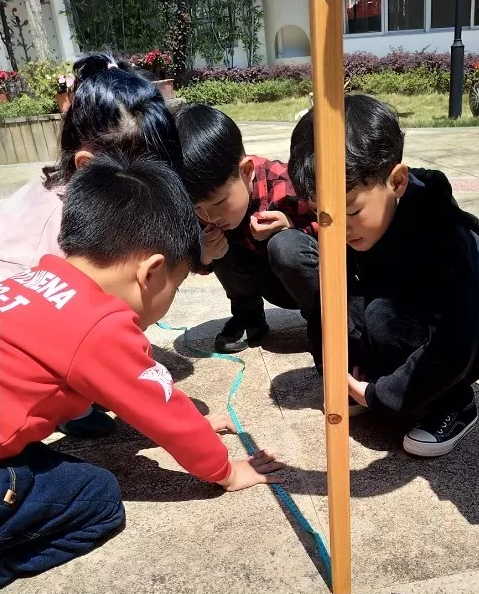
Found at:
<point>117,208</point>
<point>374,145</point>
<point>113,109</point>
<point>212,149</point>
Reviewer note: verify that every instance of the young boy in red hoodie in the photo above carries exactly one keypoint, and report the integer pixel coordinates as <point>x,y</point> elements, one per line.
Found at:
<point>257,235</point>
<point>72,331</point>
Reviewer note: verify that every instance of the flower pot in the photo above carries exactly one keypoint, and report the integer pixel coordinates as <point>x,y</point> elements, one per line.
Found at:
<point>63,101</point>
<point>3,97</point>
<point>165,87</point>
<point>474,99</point>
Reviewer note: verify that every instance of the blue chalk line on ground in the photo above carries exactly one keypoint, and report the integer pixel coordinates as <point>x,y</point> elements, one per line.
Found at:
<point>250,448</point>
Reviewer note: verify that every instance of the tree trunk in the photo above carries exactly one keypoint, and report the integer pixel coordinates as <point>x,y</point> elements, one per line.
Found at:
<point>38,31</point>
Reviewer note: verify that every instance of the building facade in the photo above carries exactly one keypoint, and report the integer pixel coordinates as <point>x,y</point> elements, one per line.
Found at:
<point>374,26</point>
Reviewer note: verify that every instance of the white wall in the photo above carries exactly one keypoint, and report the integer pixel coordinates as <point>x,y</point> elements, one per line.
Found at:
<point>291,41</point>
<point>280,13</point>
<point>67,45</point>
<point>440,41</point>
<point>50,26</point>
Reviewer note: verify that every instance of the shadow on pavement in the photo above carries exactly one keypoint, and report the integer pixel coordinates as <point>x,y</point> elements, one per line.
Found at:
<point>285,336</point>
<point>454,477</point>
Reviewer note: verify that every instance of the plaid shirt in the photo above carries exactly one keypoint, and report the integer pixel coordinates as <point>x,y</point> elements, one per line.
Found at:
<point>272,190</point>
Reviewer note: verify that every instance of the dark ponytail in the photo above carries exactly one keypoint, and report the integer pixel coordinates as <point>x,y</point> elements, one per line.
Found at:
<point>92,64</point>
<point>114,109</point>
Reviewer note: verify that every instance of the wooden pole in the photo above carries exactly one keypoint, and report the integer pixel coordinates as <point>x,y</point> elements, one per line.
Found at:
<point>326,18</point>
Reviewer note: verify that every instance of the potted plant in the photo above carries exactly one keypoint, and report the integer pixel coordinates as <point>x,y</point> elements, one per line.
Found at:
<point>64,88</point>
<point>158,62</point>
<point>474,91</point>
<point>5,77</point>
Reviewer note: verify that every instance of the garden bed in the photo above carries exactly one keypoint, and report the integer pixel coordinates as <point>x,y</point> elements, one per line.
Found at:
<point>36,138</point>
<point>29,139</point>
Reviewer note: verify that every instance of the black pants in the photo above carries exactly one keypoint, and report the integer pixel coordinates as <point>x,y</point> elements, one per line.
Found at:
<point>287,277</point>
<point>381,338</point>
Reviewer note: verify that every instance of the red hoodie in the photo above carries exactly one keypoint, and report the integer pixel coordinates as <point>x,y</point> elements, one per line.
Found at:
<point>65,343</point>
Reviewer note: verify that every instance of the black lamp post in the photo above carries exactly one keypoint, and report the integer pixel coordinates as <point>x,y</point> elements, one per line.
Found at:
<point>457,66</point>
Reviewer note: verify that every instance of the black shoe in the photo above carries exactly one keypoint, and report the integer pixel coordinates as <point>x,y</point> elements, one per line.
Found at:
<point>235,337</point>
<point>95,424</point>
<point>439,434</point>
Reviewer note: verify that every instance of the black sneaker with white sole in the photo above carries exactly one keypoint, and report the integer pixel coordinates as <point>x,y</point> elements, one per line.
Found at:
<point>439,434</point>
<point>236,337</point>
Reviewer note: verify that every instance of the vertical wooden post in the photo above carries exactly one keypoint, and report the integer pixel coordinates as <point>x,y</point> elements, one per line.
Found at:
<point>326,18</point>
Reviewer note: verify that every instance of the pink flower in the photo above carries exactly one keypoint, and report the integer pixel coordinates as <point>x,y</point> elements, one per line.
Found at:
<point>61,78</point>
<point>70,81</point>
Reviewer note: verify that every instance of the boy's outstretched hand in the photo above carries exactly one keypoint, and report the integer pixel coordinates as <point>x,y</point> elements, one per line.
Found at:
<point>214,244</point>
<point>253,471</point>
<point>221,421</point>
<point>265,224</point>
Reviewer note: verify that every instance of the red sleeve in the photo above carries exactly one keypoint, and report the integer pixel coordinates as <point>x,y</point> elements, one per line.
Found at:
<point>113,367</point>
<point>282,197</point>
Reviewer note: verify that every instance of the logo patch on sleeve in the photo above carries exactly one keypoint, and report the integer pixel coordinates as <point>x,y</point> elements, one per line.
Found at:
<point>159,374</point>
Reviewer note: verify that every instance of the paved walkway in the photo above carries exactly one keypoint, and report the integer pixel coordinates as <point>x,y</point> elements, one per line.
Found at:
<point>415,523</point>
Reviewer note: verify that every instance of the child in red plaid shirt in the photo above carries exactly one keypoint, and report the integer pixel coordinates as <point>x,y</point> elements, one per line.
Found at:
<point>258,238</point>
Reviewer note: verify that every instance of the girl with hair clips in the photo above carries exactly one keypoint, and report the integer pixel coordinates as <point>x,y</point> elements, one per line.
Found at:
<point>113,110</point>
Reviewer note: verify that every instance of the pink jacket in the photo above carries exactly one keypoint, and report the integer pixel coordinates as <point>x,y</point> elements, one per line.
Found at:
<point>29,226</point>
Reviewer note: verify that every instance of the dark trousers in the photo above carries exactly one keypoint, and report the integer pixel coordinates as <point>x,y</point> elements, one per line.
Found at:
<point>381,338</point>
<point>53,508</point>
<point>286,277</point>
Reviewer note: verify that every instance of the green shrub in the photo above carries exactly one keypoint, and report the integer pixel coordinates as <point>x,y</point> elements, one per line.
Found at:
<point>220,92</point>
<point>27,106</point>
<point>303,87</point>
<point>412,82</point>
<point>213,92</point>
<point>268,90</point>
<point>443,82</point>
<point>41,76</point>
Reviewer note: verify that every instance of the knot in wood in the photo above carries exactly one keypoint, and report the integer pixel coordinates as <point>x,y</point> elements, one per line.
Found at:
<point>324,219</point>
<point>334,419</point>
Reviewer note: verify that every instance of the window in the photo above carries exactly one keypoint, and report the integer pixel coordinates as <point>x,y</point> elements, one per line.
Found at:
<point>476,13</point>
<point>362,16</point>
<point>405,15</point>
<point>442,13</point>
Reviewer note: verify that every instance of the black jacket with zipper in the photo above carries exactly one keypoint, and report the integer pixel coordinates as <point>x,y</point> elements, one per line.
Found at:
<point>427,264</point>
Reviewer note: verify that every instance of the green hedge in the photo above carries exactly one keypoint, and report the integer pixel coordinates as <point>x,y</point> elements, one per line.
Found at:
<point>27,106</point>
<point>413,82</point>
<point>216,92</point>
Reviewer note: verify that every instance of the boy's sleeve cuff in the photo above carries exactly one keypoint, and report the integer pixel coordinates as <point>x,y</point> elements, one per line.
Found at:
<point>204,270</point>
<point>220,475</point>
<point>371,395</point>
